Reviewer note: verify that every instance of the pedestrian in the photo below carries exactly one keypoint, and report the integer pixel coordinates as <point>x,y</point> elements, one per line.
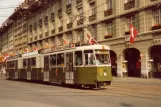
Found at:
<point>4,71</point>
<point>124,71</point>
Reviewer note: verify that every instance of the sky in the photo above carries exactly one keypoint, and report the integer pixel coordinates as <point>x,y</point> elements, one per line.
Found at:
<point>7,8</point>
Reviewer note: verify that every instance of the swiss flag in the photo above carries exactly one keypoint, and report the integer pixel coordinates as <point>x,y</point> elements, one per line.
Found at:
<point>47,45</point>
<point>5,55</point>
<point>65,42</point>
<point>133,33</point>
<point>26,50</point>
<point>91,40</point>
<point>35,48</point>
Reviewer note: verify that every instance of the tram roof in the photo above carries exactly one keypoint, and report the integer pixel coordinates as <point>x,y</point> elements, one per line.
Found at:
<point>93,47</point>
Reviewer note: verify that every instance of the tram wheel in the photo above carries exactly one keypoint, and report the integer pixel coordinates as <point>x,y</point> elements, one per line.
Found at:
<point>109,82</point>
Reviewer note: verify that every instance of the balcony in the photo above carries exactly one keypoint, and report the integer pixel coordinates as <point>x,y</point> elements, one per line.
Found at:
<point>69,25</point>
<point>108,12</point>
<point>129,5</point>
<point>92,17</point>
<point>108,36</point>
<point>156,27</point>
<point>60,28</point>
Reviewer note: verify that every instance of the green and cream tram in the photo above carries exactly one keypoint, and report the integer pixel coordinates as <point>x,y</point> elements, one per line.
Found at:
<point>12,67</point>
<point>85,66</point>
<point>82,66</point>
<point>31,66</point>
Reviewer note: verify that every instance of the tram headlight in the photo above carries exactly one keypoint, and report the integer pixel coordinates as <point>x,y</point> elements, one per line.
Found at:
<point>105,74</point>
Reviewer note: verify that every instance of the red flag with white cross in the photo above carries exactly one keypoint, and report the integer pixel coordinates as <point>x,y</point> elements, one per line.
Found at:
<point>133,33</point>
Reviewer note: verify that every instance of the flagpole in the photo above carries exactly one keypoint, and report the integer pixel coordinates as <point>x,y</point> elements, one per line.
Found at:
<point>140,36</point>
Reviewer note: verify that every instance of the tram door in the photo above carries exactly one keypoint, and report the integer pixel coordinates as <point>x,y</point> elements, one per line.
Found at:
<point>46,68</point>
<point>69,68</point>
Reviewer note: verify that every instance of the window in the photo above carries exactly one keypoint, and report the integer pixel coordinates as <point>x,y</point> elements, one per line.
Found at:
<point>30,27</point>
<point>60,21</point>
<point>53,60</point>
<point>127,1</point>
<point>60,4</point>
<point>102,57</point>
<point>108,4</point>
<point>40,23</point>
<point>92,9</point>
<point>70,38</point>
<point>68,2</point>
<point>53,25</point>
<point>80,36</point>
<point>12,64</point>
<point>24,63</point>
<point>33,61</point>
<point>129,20</point>
<point>109,28</point>
<point>28,63</point>
<point>46,20</point>
<point>89,57</point>
<point>60,59</point>
<point>80,12</point>
<point>69,18</point>
<point>52,16</point>
<point>35,25</point>
<point>93,31</point>
<point>157,16</point>
<point>78,58</point>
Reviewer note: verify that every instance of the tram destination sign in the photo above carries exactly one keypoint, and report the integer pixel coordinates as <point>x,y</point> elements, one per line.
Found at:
<point>12,57</point>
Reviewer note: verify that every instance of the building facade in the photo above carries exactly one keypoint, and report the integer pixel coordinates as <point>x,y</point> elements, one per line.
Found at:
<point>47,23</point>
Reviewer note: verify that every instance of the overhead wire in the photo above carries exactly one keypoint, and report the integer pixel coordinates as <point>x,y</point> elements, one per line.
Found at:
<point>100,12</point>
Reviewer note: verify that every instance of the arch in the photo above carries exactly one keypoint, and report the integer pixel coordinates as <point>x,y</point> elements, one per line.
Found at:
<point>155,55</point>
<point>132,62</point>
<point>113,63</point>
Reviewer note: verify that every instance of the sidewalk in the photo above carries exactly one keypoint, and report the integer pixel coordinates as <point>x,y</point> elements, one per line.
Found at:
<point>133,80</point>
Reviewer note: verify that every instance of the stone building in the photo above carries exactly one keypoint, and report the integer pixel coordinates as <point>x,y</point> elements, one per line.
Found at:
<point>46,23</point>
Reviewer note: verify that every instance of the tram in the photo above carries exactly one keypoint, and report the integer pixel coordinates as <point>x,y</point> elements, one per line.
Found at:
<point>85,66</point>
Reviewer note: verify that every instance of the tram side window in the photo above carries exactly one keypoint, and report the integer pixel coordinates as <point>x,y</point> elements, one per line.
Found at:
<point>89,57</point>
<point>78,58</point>
<point>60,59</point>
<point>33,61</point>
<point>24,62</point>
<point>28,63</point>
<point>12,64</point>
<point>53,60</point>
<point>8,64</point>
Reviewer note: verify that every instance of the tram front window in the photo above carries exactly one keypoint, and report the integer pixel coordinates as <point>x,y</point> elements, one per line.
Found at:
<point>89,57</point>
<point>102,57</point>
